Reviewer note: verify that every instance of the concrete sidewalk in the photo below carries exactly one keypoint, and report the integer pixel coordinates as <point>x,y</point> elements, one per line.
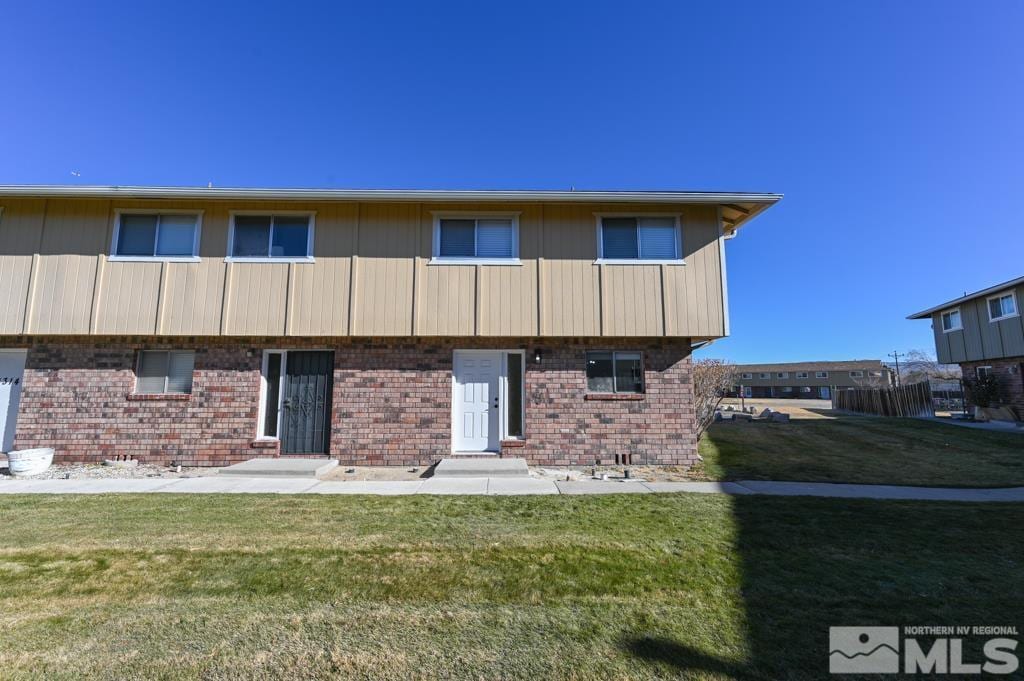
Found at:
<point>498,486</point>
<point>991,426</point>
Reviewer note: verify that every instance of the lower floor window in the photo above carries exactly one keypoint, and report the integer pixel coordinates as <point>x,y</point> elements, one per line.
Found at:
<point>615,372</point>
<point>514,382</point>
<point>982,372</point>
<point>164,371</point>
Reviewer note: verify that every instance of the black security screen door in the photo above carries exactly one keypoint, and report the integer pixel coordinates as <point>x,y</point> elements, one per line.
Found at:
<point>307,403</point>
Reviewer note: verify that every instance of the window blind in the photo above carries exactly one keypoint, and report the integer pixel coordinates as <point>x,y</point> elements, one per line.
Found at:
<point>458,239</point>
<point>657,238</point>
<point>494,239</point>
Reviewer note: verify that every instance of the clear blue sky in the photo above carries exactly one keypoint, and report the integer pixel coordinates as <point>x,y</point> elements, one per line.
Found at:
<point>893,128</point>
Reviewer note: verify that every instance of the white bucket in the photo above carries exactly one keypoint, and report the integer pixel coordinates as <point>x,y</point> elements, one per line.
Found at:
<point>29,461</point>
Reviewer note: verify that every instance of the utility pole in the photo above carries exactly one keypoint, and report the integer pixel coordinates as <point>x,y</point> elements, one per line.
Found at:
<point>896,355</point>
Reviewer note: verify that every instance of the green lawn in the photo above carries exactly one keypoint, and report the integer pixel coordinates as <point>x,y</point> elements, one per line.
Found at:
<point>866,450</point>
<point>704,587</point>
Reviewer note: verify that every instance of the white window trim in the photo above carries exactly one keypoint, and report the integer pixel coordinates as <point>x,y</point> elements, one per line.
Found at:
<point>747,376</point>
<point>270,258</point>
<point>821,374</point>
<point>167,377</point>
<point>601,260</point>
<point>987,368</point>
<point>614,390</point>
<point>801,374</point>
<point>262,407</point>
<point>856,374</point>
<point>781,374</point>
<point>116,235</point>
<point>960,320</point>
<point>435,250</point>
<point>1016,308</point>
<point>764,376</point>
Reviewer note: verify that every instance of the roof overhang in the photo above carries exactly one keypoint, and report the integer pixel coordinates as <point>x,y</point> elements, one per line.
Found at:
<point>925,314</point>
<point>736,207</point>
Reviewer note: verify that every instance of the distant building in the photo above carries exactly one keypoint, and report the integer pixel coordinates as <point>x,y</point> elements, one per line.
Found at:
<point>809,380</point>
<point>983,332</point>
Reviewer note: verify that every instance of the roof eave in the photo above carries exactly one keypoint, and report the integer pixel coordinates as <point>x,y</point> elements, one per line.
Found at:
<point>761,200</point>
<point>926,314</point>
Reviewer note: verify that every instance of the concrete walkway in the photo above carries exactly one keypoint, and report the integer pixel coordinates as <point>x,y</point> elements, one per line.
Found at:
<point>993,426</point>
<point>497,486</point>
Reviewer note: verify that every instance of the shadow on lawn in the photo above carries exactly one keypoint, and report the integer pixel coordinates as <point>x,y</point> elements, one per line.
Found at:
<point>806,564</point>
<point>682,658</point>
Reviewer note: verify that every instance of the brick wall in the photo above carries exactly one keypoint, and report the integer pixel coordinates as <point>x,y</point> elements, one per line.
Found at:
<point>391,401</point>
<point>1010,372</point>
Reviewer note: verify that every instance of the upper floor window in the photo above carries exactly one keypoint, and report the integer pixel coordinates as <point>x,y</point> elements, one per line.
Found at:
<point>1002,306</point>
<point>476,239</point>
<point>951,320</point>
<point>748,375</point>
<point>163,371</point>
<point>277,236</point>
<point>856,374</point>
<point>156,235</point>
<point>821,374</point>
<point>615,372</point>
<point>639,238</point>
<point>782,374</point>
<point>801,374</point>
<point>875,374</point>
<point>764,376</point>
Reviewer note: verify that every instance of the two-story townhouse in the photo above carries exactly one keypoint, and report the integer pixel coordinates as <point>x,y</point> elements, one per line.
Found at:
<point>983,332</point>
<point>809,380</point>
<point>209,325</point>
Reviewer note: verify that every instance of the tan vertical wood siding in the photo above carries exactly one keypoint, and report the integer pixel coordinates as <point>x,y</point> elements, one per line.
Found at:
<point>371,276</point>
<point>980,338</point>
<point>21,227</point>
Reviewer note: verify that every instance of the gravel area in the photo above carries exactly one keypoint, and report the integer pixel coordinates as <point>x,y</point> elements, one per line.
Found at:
<point>382,473</point>
<point>378,473</point>
<point>99,472</point>
<point>646,473</point>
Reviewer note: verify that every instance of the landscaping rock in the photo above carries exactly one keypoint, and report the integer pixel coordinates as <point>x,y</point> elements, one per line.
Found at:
<point>779,417</point>
<point>767,413</point>
<point>741,417</point>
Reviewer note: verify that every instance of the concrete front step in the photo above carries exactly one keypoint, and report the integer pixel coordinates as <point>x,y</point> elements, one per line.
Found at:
<point>285,467</point>
<point>459,467</point>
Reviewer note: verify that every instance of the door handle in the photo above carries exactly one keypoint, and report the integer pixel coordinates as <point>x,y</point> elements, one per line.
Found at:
<point>287,404</point>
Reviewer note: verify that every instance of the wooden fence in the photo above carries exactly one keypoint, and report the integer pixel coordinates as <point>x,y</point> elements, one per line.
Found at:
<point>905,401</point>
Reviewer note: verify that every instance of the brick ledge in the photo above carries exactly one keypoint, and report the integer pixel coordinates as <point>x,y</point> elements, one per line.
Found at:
<point>158,397</point>
<point>614,397</point>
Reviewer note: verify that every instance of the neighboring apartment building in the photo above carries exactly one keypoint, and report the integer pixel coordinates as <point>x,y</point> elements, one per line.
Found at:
<point>809,380</point>
<point>208,326</point>
<point>983,332</point>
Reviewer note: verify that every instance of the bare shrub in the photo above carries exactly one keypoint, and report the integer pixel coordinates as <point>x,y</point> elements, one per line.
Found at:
<point>712,378</point>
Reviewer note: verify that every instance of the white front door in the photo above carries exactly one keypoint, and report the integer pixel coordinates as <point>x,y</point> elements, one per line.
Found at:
<point>475,415</point>
<point>12,370</point>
